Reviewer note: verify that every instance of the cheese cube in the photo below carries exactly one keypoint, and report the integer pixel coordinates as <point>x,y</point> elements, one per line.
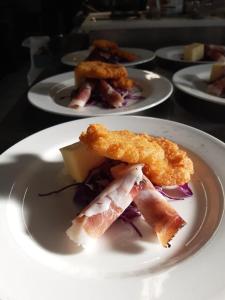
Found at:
<point>79,160</point>
<point>194,52</point>
<point>217,71</point>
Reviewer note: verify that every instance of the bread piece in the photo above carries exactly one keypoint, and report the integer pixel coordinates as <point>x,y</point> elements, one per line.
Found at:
<point>194,52</point>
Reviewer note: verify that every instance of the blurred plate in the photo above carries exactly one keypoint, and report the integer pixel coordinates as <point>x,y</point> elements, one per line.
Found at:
<point>194,80</point>
<point>175,53</point>
<point>144,55</point>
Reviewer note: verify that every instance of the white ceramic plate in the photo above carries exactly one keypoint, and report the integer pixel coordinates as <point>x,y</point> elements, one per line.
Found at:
<point>52,95</point>
<point>144,55</point>
<point>194,81</point>
<point>175,53</point>
<point>38,261</point>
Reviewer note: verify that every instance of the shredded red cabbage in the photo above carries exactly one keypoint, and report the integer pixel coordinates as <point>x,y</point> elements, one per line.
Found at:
<point>178,192</point>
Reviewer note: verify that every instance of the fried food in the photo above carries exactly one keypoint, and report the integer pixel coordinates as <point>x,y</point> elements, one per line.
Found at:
<point>164,163</point>
<point>104,44</point>
<point>99,70</point>
<point>113,49</point>
<point>178,166</point>
<point>123,83</point>
<point>124,54</point>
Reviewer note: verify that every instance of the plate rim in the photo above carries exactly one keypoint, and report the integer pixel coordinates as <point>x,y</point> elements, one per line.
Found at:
<point>184,125</point>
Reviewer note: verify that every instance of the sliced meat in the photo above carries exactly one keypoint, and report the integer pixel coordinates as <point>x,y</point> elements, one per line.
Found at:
<point>106,208</point>
<point>215,53</point>
<point>158,213</point>
<point>110,95</point>
<point>81,97</point>
<point>217,88</point>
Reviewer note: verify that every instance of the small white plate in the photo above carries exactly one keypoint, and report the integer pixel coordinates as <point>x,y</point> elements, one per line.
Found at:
<point>175,53</point>
<point>52,95</point>
<point>38,261</point>
<point>194,81</point>
<point>144,55</point>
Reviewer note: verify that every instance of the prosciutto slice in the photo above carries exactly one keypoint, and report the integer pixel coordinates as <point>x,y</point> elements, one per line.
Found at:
<point>217,88</point>
<point>158,213</point>
<point>215,53</point>
<point>82,96</point>
<point>106,208</point>
<point>110,95</point>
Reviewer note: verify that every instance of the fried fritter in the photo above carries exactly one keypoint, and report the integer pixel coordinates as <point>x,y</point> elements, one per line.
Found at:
<point>104,44</point>
<point>164,163</point>
<point>123,83</point>
<point>99,70</point>
<point>178,166</point>
<point>114,49</point>
<point>124,54</point>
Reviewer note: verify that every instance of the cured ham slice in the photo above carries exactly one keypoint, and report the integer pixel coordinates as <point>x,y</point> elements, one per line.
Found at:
<point>82,96</point>
<point>217,88</point>
<point>106,208</point>
<point>215,53</point>
<point>158,213</point>
<point>110,95</point>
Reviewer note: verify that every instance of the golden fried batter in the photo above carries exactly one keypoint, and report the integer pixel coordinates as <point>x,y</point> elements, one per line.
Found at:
<point>104,44</point>
<point>164,163</point>
<point>99,70</point>
<point>123,83</point>
<point>114,49</point>
<point>179,165</point>
<point>124,54</point>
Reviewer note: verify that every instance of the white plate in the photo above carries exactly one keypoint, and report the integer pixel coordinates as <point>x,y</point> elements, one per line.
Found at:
<point>175,53</point>
<point>194,81</point>
<point>38,261</point>
<point>48,94</point>
<point>144,55</point>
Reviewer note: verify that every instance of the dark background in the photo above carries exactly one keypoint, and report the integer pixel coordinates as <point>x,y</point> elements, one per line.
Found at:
<point>23,18</point>
<point>20,19</point>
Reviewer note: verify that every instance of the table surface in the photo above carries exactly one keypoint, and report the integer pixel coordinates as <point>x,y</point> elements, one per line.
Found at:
<point>23,119</point>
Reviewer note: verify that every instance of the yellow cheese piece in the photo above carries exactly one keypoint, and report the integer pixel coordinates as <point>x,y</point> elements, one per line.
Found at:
<point>217,71</point>
<point>79,160</point>
<point>194,52</point>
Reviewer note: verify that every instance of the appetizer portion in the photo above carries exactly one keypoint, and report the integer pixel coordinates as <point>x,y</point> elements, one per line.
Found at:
<point>216,86</point>
<point>127,183</point>
<point>206,52</point>
<point>103,84</point>
<point>108,51</point>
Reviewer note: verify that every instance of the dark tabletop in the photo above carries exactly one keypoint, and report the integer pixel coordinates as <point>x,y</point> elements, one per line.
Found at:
<point>23,119</point>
